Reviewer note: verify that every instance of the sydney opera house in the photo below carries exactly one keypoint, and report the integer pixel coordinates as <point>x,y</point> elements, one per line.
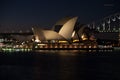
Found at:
<point>65,32</point>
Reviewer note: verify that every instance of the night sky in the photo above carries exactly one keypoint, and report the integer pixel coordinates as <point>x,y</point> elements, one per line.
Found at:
<point>23,14</point>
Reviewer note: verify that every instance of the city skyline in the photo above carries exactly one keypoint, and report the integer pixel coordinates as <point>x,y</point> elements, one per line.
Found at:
<point>21,14</point>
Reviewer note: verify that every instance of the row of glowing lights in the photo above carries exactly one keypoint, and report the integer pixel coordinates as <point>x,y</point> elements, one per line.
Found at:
<point>16,50</point>
<point>64,46</point>
<point>73,46</point>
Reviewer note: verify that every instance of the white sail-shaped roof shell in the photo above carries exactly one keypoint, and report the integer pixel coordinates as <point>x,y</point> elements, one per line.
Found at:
<point>67,29</point>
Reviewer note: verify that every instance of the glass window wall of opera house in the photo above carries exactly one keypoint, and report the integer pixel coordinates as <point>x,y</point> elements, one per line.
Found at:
<point>66,33</point>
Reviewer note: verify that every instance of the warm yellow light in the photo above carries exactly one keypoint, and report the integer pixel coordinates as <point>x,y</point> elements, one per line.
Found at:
<point>62,41</point>
<point>37,40</point>
<point>76,40</point>
<point>41,44</point>
<point>84,37</point>
<point>73,33</point>
<point>32,39</point>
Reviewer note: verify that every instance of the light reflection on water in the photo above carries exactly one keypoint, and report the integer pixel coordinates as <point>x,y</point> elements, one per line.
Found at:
<point>61,52</point>
<point>71,52</point>
<point>60,65</point>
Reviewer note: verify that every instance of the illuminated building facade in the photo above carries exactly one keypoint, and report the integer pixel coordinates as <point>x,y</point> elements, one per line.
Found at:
<point>64,34</point>
<point>63,30</point>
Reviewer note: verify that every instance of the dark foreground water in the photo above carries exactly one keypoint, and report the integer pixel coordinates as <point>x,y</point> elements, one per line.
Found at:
<point>60,65</point>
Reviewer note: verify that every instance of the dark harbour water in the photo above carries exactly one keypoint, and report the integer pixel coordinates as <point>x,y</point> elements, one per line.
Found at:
<point>60,65</point>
